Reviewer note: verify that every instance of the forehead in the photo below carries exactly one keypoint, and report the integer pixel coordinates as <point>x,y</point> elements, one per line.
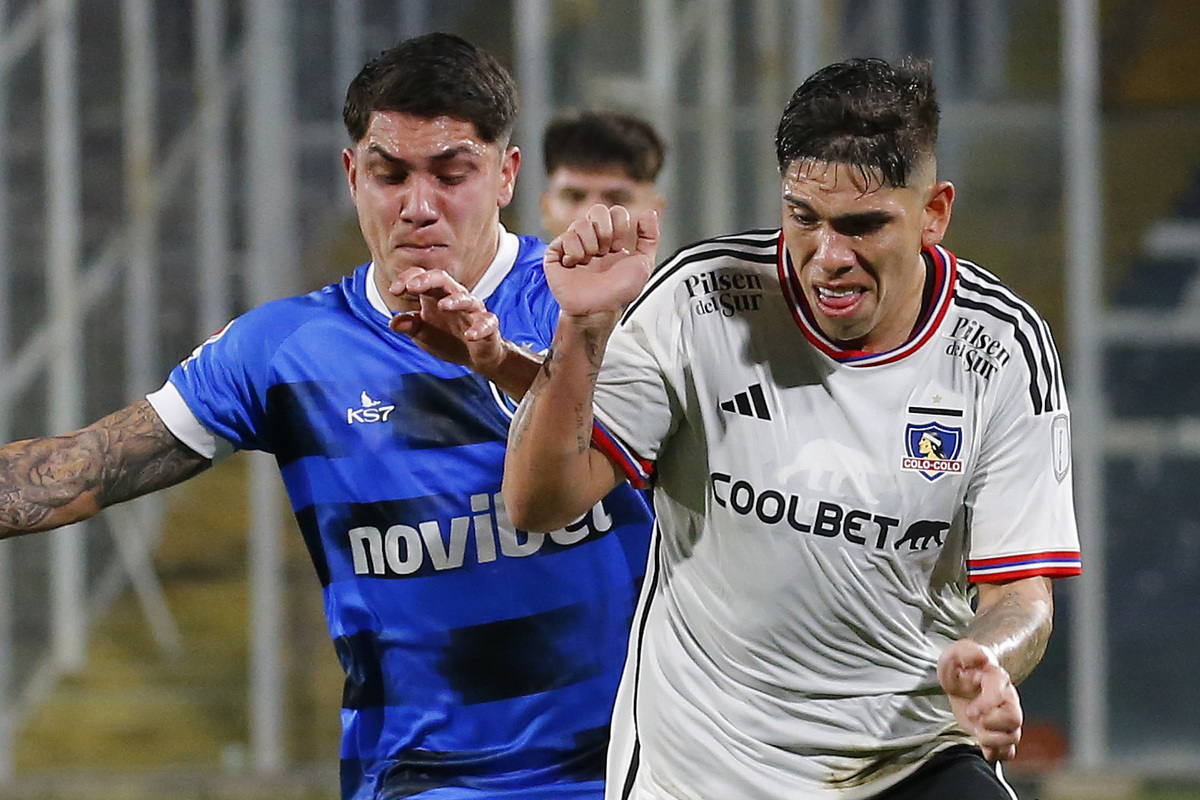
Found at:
<point>410,137</point>
<point>839,185</point>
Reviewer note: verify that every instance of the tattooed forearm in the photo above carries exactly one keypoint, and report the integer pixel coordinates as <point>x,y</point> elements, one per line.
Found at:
<point>1016,624</point>
<point>53,481</point>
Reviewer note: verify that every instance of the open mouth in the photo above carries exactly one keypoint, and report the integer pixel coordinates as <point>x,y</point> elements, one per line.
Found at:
<point>838,302</point>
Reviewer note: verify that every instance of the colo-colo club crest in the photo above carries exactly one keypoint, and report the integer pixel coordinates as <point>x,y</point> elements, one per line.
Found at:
<point>932,449</point>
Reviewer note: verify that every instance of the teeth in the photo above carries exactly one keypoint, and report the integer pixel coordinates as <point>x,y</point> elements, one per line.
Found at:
<point>836,292</point>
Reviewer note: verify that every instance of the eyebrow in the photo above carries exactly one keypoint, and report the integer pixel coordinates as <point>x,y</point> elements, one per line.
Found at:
<point>440,158</point>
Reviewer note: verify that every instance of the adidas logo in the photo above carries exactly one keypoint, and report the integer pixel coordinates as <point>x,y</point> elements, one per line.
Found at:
<point>750,403</point>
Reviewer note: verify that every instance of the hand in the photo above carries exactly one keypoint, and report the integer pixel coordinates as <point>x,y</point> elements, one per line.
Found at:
<point>983,697</point>
<point>600,263</point>
<point>450,323</point>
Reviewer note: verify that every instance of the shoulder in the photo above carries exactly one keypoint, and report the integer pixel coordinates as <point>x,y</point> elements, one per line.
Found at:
<point>724,262</point>
<point>263,330</point>
<point>996,324</point>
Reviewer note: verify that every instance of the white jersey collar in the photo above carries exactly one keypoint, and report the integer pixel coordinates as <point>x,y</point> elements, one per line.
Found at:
<point>502,264</point>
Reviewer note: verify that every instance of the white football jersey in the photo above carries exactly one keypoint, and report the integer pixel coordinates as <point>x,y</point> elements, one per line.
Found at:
<point>822,514</point>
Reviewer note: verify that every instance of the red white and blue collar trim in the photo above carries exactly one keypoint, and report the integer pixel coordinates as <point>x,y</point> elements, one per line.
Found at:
<point>944,272</point>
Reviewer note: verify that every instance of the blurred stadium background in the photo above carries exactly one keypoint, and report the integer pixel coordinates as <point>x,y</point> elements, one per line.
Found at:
<point>165,165</point>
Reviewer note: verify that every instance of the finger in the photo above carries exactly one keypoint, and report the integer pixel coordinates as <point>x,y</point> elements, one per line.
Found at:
<point>399,286</point>
<point>573,248</point>
<point>995,692</point>
<point>483,326</point>
<point>554,251</point>
<point>601,218</point>
<point>586,230</point>
<point>435,283</point>
<point>647,233</point>
<point>462,302</point>
<point>624,236</point>
<point>1001,753</point>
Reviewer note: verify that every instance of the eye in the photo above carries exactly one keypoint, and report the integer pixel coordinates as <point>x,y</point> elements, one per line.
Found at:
<point>617,198</point>
<point>453,179</point>
<point>859,226</point>
<point>805,218</point>
<point>574,196</point>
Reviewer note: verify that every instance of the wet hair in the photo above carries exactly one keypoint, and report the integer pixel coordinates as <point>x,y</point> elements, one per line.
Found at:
<point>435,75</point>
<point>878,117</point>
<point>599,139</point>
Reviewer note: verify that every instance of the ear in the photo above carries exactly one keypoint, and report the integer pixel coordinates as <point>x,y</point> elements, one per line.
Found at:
<point>351,167</point>
<point>510,165</point>
<point>937,213</point>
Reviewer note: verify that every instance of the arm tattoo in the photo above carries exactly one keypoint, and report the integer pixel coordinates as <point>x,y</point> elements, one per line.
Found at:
<point>1017,628</point>
<point>53,481</point>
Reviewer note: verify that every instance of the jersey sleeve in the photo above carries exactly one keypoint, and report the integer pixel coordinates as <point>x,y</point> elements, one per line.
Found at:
<point>1019,500</point>
<point>633,402</point>
<point>224,382</point>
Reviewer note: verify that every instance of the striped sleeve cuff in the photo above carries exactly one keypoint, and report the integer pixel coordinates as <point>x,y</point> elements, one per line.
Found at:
<point>1053,564</point>
<point>638,470</point>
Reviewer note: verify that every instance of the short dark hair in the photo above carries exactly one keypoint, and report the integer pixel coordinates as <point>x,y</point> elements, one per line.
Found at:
<point>592,139</point>
<point>879,117</point>
<point>434,75</point>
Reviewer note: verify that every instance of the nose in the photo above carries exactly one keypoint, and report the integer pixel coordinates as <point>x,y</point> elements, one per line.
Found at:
<point>418,204</point>
<point>834,251</point>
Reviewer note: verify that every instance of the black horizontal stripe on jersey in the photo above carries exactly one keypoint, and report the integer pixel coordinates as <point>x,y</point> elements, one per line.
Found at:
<point>1041,330</point>
<point>708,249</point>
<point>989,287</point>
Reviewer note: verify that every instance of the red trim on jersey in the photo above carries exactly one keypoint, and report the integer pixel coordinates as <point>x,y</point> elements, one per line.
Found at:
<point>1052,564</point>
<point>945,272</point>
<point>637,469</point>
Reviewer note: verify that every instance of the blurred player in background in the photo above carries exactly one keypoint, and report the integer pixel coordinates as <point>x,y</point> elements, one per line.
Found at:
<point>599,157</point>
<point>834,609</point>
<point>481,661</point>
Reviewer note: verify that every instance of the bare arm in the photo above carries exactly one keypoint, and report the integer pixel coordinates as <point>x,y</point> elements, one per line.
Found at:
<point>1014,620</point>
<point>1003,644</point>
<point>552,474</point>
<point>53,481</point>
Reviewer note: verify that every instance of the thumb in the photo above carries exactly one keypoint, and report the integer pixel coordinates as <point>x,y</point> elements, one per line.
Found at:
<point>406,322</point>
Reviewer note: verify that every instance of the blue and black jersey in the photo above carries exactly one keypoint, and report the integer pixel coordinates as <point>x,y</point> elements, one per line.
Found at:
<point>480,660</point>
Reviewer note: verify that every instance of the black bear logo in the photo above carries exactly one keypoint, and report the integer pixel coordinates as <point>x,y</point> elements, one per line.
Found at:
<point>921,533</point>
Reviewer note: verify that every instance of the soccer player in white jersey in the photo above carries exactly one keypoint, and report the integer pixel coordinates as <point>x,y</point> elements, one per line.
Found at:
<point>863,478</point>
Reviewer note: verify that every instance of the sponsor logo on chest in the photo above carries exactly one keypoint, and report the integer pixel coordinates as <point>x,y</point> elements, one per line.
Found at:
<point>825,518</point>
<point>429,546</point>
<point>723,291</point>
<point>369,410</point>
<point>980,352</point>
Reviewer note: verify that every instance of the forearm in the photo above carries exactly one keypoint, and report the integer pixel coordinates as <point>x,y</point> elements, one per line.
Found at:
<point>552,474</point>
<point>1014,622</point>
<point>516,370</point>
<point>49,482</point>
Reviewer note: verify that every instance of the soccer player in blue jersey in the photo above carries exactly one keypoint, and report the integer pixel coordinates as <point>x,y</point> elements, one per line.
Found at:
<point>481,661</point>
